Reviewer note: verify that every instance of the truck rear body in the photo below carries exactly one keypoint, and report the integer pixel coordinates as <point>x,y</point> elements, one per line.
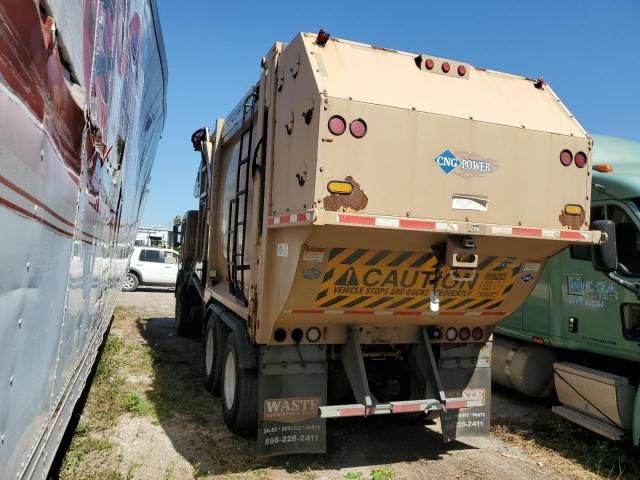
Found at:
<point>363,202</point>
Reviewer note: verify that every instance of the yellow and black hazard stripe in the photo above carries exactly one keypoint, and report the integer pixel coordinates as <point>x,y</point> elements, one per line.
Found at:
<point>386,279</point>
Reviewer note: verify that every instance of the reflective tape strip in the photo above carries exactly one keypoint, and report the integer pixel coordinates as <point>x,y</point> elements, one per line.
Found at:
<point>325,311</point>
<point>360,410</point>
<point>540,232</point>
<point>302,217</point>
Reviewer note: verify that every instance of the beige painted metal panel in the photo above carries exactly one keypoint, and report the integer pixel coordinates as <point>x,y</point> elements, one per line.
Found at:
<point>386,77</point>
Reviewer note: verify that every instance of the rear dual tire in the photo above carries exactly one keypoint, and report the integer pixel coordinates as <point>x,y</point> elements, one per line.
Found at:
<point>239,391</point>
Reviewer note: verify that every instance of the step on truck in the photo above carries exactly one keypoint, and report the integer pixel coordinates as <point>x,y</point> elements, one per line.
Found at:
<point>578,335</point>
<point>365,218</point>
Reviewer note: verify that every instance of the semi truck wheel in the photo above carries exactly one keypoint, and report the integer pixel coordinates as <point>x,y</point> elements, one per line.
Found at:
<point>239,392</point>
<point>131,282</point>
<point>213,344</point>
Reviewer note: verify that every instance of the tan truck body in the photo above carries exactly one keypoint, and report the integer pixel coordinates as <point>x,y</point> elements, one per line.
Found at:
<point>412,116</point>
<point>455,192</point>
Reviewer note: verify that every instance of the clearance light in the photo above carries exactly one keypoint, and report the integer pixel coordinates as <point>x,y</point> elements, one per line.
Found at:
<point>477,333</point>
<point>566,158</point>
<point>573,210</point>
<point>465,333</point>
<point>603,167</point>
<point>313,334</point>
<point>358,128</point>
<point>342,188</point>
<point>429,64</point>
<point>451,334</point>
<point>322,38</point>
<point>462,70</point>
<point>580,159</point>
<point>337,125</point>
<point>537,340</point>
<point>446,67</point>
<point>280,335</point>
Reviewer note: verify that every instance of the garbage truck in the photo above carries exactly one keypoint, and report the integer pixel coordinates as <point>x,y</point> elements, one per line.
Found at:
<point>365,218</point>
<point>578,334</point>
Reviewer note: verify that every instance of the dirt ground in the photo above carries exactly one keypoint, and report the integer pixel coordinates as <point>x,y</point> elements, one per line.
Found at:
<point>148,416</point>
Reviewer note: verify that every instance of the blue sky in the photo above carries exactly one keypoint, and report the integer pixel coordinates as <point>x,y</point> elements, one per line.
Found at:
<point>589,52</point>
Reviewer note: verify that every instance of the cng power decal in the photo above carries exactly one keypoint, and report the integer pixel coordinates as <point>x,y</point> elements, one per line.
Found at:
<point>385,279</point>
<point>464,164</point>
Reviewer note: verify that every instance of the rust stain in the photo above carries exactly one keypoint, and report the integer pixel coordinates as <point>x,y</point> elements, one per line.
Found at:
<point>353,202</point>
<point>574,222</point>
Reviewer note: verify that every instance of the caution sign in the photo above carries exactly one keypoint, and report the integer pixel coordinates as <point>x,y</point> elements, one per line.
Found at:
<point>386,279</point>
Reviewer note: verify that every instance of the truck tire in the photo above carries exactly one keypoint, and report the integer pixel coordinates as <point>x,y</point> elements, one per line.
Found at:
<point>130,283</point>
<point>184,325</point>
<point>239,391</point>
<point>213,341</point>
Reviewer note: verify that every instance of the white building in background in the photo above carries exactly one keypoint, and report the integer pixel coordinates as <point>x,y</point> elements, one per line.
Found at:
<point>154,237</point>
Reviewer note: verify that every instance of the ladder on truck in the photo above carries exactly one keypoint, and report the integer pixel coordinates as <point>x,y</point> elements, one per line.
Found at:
<point>236,234</point>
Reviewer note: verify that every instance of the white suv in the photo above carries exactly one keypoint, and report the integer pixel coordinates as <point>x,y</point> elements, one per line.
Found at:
<point>151,266</point>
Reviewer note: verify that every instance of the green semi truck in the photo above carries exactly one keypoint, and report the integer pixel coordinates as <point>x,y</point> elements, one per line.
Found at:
<point>578,334</point>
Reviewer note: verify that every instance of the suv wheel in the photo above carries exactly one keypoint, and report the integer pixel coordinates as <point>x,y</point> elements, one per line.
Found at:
<point>131,282</point>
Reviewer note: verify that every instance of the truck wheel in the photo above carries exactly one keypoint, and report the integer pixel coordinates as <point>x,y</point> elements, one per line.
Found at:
<point>131,282</point>
<point>213,344</point>
<point>183,324</point>
<point>239,392</point>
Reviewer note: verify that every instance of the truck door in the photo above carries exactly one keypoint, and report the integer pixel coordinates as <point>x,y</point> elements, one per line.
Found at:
<point>591,300</point>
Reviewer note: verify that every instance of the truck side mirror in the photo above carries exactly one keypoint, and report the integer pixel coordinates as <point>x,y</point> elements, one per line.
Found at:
<point>605,256</point>
<point>176,237</point>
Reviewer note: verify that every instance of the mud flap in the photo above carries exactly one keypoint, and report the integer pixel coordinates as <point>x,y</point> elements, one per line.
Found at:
<point>465,372</point>
<point>292,387</point>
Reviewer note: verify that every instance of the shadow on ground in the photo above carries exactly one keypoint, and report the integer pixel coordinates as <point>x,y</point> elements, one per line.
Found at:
<point>192,418</point>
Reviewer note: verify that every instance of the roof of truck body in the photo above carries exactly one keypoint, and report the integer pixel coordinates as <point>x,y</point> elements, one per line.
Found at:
<point>370,74</point>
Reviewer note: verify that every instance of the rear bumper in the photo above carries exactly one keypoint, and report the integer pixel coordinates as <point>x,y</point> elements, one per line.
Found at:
<point>407,406</point>
<point>322,217</point>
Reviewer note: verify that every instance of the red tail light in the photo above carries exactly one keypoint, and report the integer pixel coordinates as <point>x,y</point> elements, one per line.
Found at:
<point>462,70</point>
<point>580,159</point>
<point>477,333</point>
<point>566,158</point>
<point>337,125</point>
<point>358,128</point>
<point>429,64</point>
<point>446,67</point>
<point>464,334</point>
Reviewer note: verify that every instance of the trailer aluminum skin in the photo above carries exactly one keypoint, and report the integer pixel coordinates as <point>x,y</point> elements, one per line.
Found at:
<point>366,216</point>
<point>82,105</point>
<point>579,332</point>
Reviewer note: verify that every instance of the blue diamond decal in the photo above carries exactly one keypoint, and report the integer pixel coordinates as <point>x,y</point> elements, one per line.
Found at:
<point>447,161</point>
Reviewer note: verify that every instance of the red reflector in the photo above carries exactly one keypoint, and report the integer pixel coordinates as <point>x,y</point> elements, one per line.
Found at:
<point>581,159</point>
<point>337,125</point>
<point>429,63</point>
<point>462,70</point>
<point>477,333</point>
<point>446,67</point>
<point>358,128</point>
<point>566,157</point>
<point>464,334</point>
